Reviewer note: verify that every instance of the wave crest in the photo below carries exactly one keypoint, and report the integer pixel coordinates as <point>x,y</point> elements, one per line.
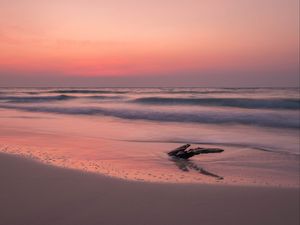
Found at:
<point>227,102</point>
<point>24,99</point>
<point>265,119</point>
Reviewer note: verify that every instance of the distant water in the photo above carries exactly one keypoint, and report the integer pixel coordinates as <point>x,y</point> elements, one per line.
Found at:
<point>252,117</point>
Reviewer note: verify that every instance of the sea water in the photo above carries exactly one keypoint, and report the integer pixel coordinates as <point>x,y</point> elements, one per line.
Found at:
<point>126,132</point>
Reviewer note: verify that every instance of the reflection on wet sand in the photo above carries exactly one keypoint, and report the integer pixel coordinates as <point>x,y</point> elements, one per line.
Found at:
<point>185,165</point>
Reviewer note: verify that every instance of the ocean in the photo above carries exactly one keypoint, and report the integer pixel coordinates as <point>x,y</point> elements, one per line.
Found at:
<point>132,128</point>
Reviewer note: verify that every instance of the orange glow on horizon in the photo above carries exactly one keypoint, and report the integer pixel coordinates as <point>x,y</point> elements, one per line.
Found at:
<point>110,39</point>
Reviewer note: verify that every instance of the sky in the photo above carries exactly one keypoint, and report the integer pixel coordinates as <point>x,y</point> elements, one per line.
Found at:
<point>149,43</point>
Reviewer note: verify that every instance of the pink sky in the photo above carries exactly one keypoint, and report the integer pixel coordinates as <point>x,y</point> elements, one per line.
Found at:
<point>234,42</point>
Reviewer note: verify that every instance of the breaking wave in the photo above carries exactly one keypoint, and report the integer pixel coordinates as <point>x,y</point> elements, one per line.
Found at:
<point>32,99</point>
<point>23,99</point>
<point>83,91</point>
<point>229,102</point>
<point>265,119</point>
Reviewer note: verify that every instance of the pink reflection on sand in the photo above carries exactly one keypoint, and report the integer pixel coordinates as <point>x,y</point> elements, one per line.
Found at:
<point>90,144</point>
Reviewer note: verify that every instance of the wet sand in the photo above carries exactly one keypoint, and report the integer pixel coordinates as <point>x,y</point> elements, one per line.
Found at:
<point>55,140</point>
<point>34,193</point>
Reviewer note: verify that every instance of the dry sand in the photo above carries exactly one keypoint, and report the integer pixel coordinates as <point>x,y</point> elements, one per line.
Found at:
<point>32,193</point>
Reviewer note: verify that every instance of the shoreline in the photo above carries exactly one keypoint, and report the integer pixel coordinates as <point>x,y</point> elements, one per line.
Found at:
<point>217,182</point>
<point>34,193</point>
<point>101,145</point>
<point>108,169</point>
<point>173,175</point>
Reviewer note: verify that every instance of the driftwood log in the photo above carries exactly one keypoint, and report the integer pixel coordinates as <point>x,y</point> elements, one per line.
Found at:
<point>184,153</point>
<point>181,155</point>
